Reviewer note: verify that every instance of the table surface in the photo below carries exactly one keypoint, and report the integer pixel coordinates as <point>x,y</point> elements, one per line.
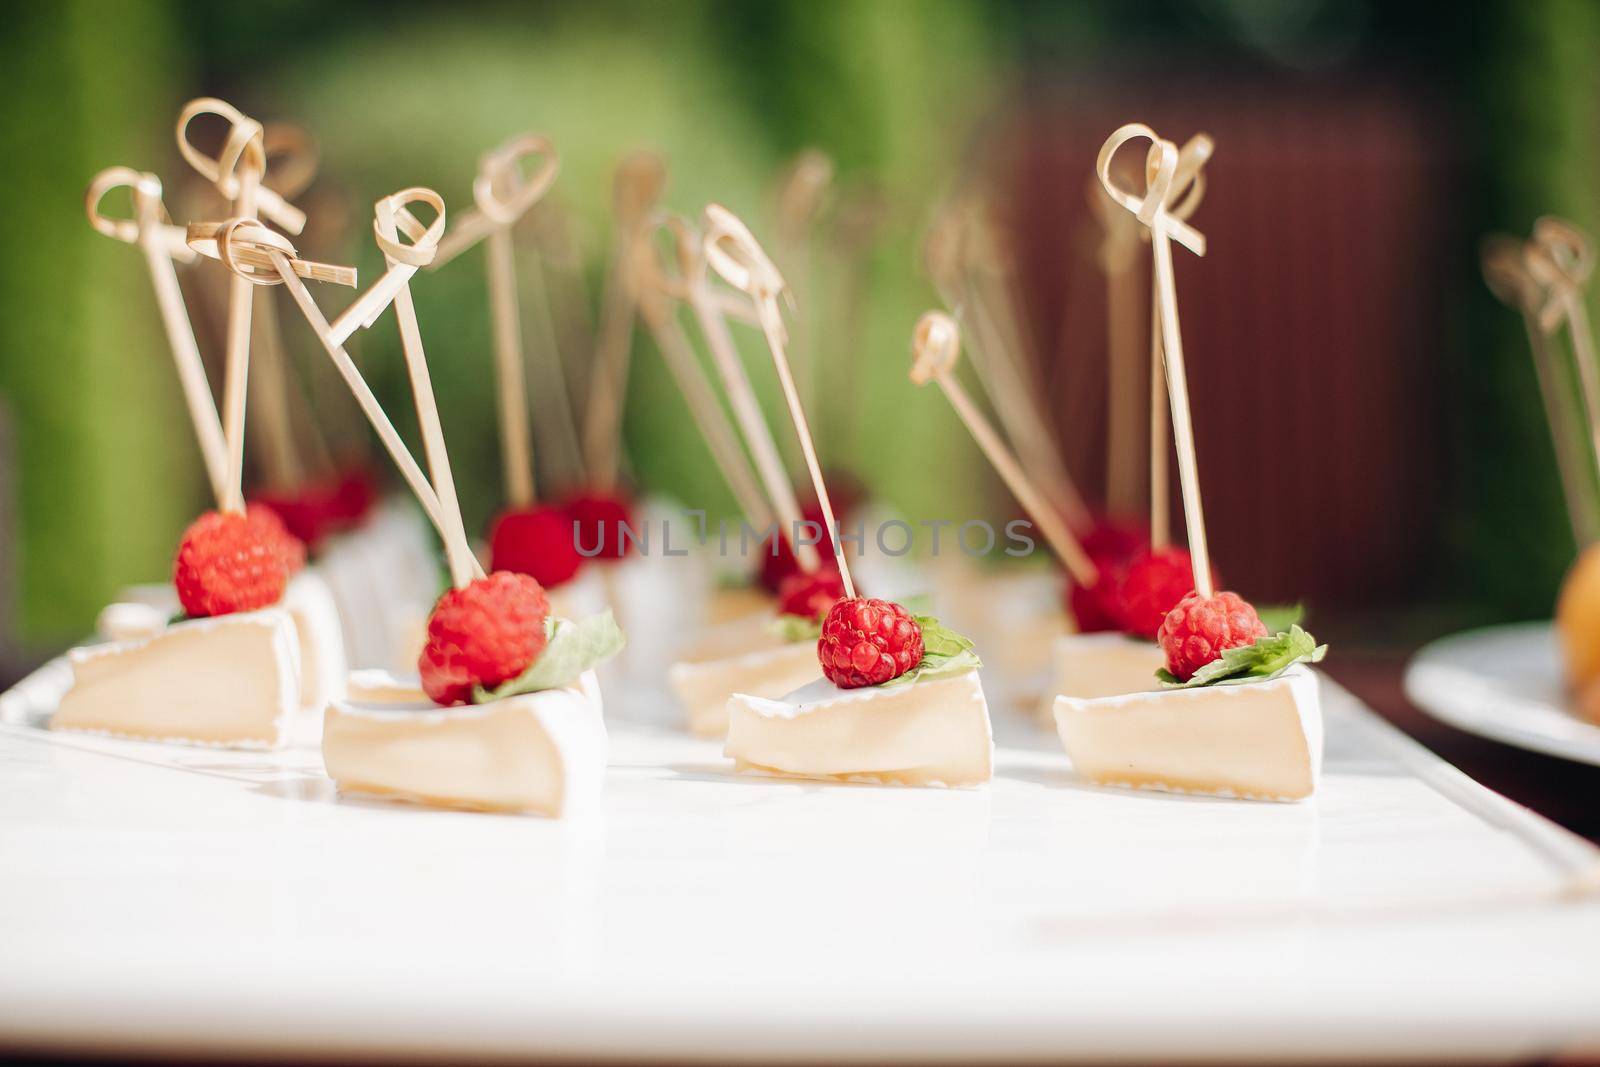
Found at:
<point>166,898</point>
<point>1565,792</point>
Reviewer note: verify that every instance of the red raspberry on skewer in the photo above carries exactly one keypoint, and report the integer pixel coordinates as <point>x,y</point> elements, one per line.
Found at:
<point>484,634</point>
<point>536,541</point>
<point>354,496</point>
<point>1199,628</point>
<point>292,549</point>
<point>778,561</point>
<point>228,563</point>
<point>1114,541</point>
<point>599,518</point>
<point>810,595</point>
<point>868,642</point>
<point>1093,607</point>
<point>1150,586</point>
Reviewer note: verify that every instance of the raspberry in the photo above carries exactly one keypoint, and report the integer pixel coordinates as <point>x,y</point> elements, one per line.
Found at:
<point>1113,542</point>
<point>778,561</point>
<point>306,512</point>
<point>316,509</point>
<point>354,495</point>
<point>535,541</point>
<point>484,634</point>
<point>290,547</point>
<point>599,518</point>
<point>1199,628</point>
<point>1093,607</point>
<point>1109,544</point>
<point>1151,584</point>
<point>228,562</point>
<point>810,595</point>
<point>868,642</point>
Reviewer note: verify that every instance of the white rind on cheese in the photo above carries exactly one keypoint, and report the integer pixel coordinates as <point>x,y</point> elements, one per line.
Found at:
<point>543,753</point>
<point>129,621</point>
<point>369,686</point>
<point>1255,740</point>
<point>310,604</point>
<point>232,681</point>
<point>1090,666</point>
<point>773,669</point>
<point>143,611</point>
<point>933,733</point>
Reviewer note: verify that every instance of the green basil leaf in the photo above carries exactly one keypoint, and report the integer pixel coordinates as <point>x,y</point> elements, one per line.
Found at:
<point>573,648</point>
<point>1268,657</point>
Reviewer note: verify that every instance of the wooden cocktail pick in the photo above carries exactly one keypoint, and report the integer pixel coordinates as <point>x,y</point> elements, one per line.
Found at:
<point>163,243</point>
<point>710,311</point>
<point>801,195</point>
<point>639,182</point>
<point>1118,259</point>
<point>1505,271</point>
<point>504,192</point>
<point>657,307</point>
<point>858,220</point>
<point>1183,197</point>
<point>1560,259</point>
<point>731,250</point>
<point>935,347</point>
<point>239,241</point>
<point>952,253</point>
<point>292,158</point>
<point>1161,169</point>
<point>237,172</point>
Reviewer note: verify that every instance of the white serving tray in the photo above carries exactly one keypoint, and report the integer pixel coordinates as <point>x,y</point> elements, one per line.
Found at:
<point>1503,683</point>
<point>157,898</point>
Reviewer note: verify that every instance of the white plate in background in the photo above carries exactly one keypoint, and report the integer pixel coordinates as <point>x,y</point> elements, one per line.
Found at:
<point>1503,683</point>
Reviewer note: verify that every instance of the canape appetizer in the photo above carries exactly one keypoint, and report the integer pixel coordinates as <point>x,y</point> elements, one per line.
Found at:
<point>247,638</point>
<point>515,719</point>
<point>227,672</point>
<point>762,643</point>
<point>900,701</point>
<point>1140,578</point>
<point>1238,713</point>
<point>1545,278</point>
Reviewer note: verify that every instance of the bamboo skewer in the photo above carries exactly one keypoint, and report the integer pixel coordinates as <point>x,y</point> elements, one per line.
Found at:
<point>227,241</point>
<point>236,172</point>
<point>800,200</point>
<point>1507,276</point>
<point>949,258</point>
<point>639,182</point>
<point>731,250</point>
<point>245,137</point>
<point>268,398</point>
<point>1151,210</point>
<point>390,213</point>
<point>856,223</point>
<point>556,393</point>
<point>162,243</point>
<point>662,320</point>
<point>708,311</point>
<point>1187,190</point>
<point>291,159</point>
<point>503,195</point>
<point>1160,433</point>
<point>1016,388</point>
<point>1118,260</point>
<point>1560,257</point>
<point>935,347</point>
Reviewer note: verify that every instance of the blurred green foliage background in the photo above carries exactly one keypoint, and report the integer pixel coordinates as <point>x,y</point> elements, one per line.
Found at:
<point>403,94</point>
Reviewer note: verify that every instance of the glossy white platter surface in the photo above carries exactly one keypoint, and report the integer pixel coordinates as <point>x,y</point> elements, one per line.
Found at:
<point>163,898</point>
<point>1503,683</point>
